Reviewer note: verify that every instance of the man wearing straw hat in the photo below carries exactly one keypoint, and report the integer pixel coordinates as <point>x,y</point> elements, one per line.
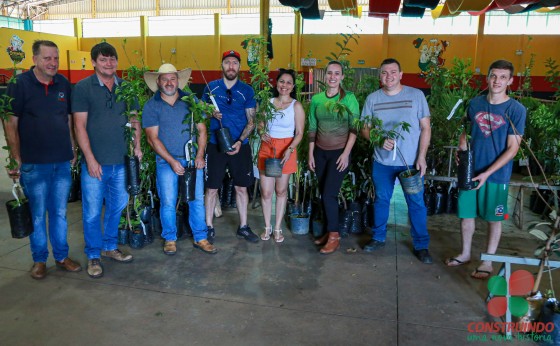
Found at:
<point>236,105</point>
<point>163,120</point>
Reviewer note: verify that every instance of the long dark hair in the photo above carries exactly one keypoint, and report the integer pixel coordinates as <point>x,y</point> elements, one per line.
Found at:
<point>336,62</point>
<point>282,72</point>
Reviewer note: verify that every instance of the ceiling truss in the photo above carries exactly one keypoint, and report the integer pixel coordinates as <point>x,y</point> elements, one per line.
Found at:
<point>27,9</point>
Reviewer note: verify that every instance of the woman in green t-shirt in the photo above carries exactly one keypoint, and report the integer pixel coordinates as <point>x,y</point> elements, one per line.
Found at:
<point>331,138</point>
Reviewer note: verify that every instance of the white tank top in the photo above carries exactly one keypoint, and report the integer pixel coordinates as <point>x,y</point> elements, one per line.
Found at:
<point>284,123</point>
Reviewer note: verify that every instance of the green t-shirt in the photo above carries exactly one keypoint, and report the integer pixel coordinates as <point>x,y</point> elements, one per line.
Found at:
<point>327,128</point>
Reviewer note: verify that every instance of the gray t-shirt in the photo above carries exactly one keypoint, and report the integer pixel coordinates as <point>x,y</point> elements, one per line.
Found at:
<point>106,119</point>
<point>408,105</point>
<point>172,132</point>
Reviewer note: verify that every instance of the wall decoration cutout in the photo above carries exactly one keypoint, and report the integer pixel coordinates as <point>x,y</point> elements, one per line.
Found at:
<point>431,53</point>
<point>15,50</point>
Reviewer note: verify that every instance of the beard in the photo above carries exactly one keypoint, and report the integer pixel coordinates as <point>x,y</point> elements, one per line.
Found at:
<point>168,93</point>
<point>231,74</point>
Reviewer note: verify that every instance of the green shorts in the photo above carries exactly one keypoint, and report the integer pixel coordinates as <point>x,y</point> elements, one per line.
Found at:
<point>489,202</point>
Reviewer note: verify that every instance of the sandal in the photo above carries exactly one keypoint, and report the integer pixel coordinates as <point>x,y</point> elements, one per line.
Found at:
<point>266,234</point>
<point>278,237</point>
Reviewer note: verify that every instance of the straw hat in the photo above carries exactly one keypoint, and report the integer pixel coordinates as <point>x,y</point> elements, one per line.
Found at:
<point>151,77</point>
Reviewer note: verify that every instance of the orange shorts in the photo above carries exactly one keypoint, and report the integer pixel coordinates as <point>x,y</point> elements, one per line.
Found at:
<point>281,145</point>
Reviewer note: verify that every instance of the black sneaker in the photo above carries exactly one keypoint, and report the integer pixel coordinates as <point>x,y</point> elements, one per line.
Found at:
<point>374,245</point>
<point>424,256</point>
<point>210,234</point>
<point>245,232</point>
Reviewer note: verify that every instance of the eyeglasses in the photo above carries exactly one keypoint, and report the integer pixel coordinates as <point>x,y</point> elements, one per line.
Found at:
<point>229,98</point>
<point>108,99</point>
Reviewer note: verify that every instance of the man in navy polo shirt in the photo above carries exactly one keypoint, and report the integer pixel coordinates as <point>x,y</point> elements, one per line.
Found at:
<point>100,130</point>
<point>41,140</point>
<point>163,118</point>
<point>236,111</point>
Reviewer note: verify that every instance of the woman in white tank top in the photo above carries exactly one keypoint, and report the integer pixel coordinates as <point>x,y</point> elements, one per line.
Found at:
<point>282,134</point>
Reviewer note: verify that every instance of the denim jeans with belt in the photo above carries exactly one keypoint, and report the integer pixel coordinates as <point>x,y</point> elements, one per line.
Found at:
<point>167,185</point>
<point>47,187</point>
<point>384,183</point>
<point>112,189</point>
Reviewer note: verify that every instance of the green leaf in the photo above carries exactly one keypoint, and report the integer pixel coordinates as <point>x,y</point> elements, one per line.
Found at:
<point>539,234</point>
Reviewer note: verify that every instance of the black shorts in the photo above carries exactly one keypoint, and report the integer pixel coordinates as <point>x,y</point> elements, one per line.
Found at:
<point>240,166</point>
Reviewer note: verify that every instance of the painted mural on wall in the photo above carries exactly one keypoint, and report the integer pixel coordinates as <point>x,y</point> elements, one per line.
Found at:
<point>15,50</point>
<point>431,53</point>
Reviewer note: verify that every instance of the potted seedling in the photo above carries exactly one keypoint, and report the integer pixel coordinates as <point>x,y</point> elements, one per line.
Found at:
<point>299,220</point>
<point>259,68</point>
<point>132,87</point>
<point>122,238</point>
<point>19,213</point>
<point>137,228</point>
<point>410,178</point>
<point>223,136</point>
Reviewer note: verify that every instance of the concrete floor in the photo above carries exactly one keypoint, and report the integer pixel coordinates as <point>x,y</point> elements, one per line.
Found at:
<point>249,294</point>
<point>252,294</point>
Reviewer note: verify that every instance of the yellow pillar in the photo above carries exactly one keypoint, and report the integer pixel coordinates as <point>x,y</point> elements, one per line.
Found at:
<point>479,44</point>
<point>78,33</point>
<point>264,15</point>
<point>157,7</point>
<point>93,9</point>
<point>217,39</point>
<point>385,44</point>
<point>144,38</point>
<point>296,43</point>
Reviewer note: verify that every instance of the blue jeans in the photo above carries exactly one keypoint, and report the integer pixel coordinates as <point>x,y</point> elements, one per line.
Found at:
<point>167,185</point>
<point>384,182</point>
<point>47,187</point>
<point>112,189</point>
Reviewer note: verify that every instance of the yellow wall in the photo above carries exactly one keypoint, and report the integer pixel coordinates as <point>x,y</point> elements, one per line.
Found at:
<point>130,53</point>
<point>64,44</point>
<point>367,49</point>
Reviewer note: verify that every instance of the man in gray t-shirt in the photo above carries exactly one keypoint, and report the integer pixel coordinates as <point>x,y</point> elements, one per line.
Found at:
<point>395,103</point>
<point>99,125</point>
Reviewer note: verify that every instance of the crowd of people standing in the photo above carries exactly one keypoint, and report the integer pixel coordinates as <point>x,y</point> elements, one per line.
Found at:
<point>52,121</point>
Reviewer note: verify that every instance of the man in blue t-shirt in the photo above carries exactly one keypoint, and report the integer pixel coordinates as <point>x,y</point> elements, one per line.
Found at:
<point>235,102</point>
<point>163,119</point>
<point>41,141</point>
<point>497,123</point>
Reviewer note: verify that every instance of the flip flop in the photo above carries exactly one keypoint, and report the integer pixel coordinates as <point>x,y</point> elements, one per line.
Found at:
<point>485,274</point>
<point>456,262</point>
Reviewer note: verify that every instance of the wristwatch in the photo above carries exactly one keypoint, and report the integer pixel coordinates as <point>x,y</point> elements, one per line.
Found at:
<point>291,149</point>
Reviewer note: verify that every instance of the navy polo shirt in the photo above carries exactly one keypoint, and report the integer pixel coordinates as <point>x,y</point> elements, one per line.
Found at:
<point>172,132</point>
<point>42,111</point>
<point>106,119</point>
<point>232,105</point>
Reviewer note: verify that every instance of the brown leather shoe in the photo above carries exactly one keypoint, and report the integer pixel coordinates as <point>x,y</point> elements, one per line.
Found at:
<point>39,270</point>
<point>170,247</point>
<point>332,244</point>
<point>205,246</point>
<point>94,268</point>
<point>322,240</point>
<point>69,265</point>
<point>117,255</point>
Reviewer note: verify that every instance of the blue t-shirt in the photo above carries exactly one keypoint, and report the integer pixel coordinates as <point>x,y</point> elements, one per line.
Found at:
<point>42,112</point>
<point>491,127</point>
<point>172,132</point>
<point>232,105</point>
